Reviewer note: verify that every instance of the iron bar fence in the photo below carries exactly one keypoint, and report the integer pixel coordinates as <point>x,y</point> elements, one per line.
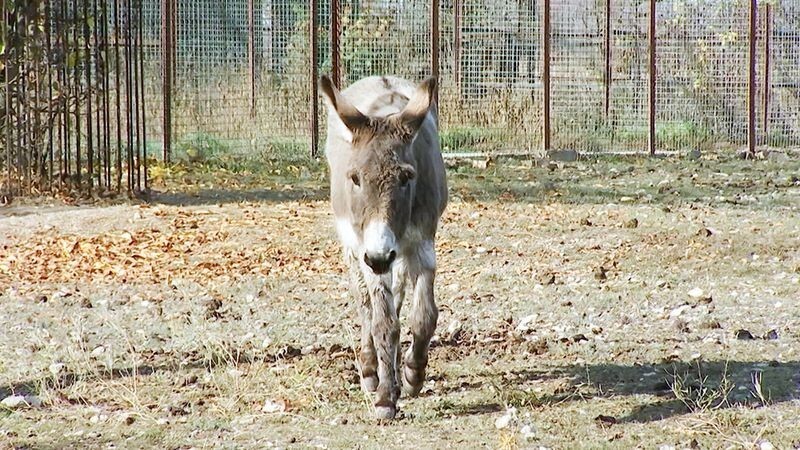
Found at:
<point>61,115</point>
<point>92,89</point>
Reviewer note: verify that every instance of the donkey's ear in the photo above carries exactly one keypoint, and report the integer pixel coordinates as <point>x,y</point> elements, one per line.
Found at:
<point>420,103</point>
<point>351,117</point>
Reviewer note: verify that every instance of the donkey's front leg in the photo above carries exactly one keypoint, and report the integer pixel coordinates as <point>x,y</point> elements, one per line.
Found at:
<point>422,318</point>
<point>385,336</point>
<point>368,361</point>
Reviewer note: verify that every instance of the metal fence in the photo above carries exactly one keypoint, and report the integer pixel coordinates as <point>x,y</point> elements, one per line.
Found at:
<point>72,114</point>
<point>516,75</point>
<point>206,78</point>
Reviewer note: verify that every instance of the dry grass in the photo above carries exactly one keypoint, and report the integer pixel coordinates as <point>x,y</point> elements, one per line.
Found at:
<point>262,353</point>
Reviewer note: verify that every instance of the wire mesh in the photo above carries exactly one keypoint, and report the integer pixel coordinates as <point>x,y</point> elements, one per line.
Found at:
<point>577,72</point>
<point>628,103</point>
<point>228,97</point>
<point>83,95</point>
<point>784,93</point>
<point>702,66</point>
<point>492,99</point>
<point>385,37</point>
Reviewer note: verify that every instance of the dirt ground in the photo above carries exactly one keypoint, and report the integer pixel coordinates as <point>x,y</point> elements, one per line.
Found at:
<point>648,303</point>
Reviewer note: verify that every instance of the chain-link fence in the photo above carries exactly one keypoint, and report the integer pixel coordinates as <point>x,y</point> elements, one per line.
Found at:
<point>492,70</point>
<point>201,78</point>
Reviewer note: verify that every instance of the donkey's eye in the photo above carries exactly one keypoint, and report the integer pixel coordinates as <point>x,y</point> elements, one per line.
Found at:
<point>406,176</point>
<point>354,178</point>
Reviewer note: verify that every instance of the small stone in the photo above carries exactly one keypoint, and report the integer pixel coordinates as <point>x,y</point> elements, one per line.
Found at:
<point>600,274</point>
<point>56,369</point>
<point>568,155</point>
<point>681,325</point>
<point>711,324</point>
<point>309,349</point>
<point>700,295</point>
<point>694,154</point>
<point>525,323</point>
<point>41,298</point>
<point>453,331</point>
<point>547,278</point>
<point>777,156</point>
<point>705,232</point>
<point>191,379</point>
<point>274,406</point>
<point>21,401</point>
<point>86,303</point>
<point>771,335</point>
<point>505,420</point>
<point>579,337</point>
<point>744,335</point>
<point>633,223</point>
<point>765,445</point>
<point>527,433</point>
<point>586,222</point>
<point>13,401</point>
<point>675,313</point>
<point>481,164</point>
<point>213,307</point>
<point>605,420</point>
<point>99,350</point>
<point>178,410</point>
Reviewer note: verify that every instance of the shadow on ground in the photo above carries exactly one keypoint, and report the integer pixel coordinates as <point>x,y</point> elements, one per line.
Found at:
<point>493,390</point>
<point>701,385</point>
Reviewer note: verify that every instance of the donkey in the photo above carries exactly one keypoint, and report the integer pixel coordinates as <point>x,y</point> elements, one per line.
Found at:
<point>388,191</point>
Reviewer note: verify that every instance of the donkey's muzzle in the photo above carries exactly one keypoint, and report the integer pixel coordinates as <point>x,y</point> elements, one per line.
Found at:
<point>380,263</point>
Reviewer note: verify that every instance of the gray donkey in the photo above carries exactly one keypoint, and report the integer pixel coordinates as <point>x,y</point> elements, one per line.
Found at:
<point>388,191</point>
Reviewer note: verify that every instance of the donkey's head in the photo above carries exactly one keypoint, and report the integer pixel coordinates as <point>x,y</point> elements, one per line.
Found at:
<point>381,173</point>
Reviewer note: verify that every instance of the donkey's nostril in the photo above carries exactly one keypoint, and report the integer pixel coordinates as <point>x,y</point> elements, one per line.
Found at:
<point>380,263</point>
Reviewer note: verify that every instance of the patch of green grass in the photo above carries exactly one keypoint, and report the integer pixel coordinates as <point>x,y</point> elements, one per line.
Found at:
<point>285,149</point>
<point>199,147</point>
<point>466,139</point>
<point>682,135</point>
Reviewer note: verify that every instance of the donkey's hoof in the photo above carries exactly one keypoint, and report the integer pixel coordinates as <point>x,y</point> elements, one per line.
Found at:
<point>385,412</point>
<point>369,384</point>
<point>412,381</point>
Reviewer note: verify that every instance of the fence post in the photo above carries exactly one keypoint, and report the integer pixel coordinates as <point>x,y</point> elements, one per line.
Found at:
<point>314,122</point>
<point>651,121</point>
<point>607,77</point>
<point>767,31</point>
<point>751,88</point>
<point>140,38</point>
<point>546,77</point>
<point>457,44</point>
<point>251,55</point>
<point>435,45</point>
<point>166,80</point>
<point>336,31</point>
<point>8,144</point>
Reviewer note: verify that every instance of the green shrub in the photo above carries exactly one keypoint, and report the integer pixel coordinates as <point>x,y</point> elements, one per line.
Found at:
<point>199,148</point>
